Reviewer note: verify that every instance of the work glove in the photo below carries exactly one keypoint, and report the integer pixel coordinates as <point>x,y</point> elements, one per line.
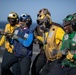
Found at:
<point>35,41</point>
<point>54,52</point>
<point>64,52</point>
<point>69,56</point>
<point>15,37</point>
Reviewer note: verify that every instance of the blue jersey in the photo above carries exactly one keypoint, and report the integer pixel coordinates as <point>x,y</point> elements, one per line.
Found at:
<point>23,46</point>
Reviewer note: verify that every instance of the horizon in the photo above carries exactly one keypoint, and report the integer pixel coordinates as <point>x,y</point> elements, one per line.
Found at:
<point>33,26</point>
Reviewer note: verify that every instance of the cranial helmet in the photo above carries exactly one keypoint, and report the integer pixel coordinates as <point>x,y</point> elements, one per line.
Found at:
<point>13,15</point>
<point>74,16</point>
<point>68,20</point>
<point>44,16</point>
<point>74,22</point>
<point>13,18</point>
<point>44,11</point>
<point>26,18</point>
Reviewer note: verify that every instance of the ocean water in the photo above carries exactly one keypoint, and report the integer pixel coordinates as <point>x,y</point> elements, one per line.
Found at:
<point>33,26</point>
<point>3,23</point>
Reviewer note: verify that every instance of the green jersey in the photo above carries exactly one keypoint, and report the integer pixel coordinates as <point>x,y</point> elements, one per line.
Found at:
<point>69,42</point>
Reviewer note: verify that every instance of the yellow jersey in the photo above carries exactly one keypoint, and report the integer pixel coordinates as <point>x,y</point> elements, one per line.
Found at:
<point>9,29</point>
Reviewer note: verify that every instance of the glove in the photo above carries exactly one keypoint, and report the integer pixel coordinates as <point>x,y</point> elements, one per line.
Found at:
<point>54,52</point>
<point>15,37</point>
<point>36,41</point>
<point>69,56</point>
<point>64,52</point>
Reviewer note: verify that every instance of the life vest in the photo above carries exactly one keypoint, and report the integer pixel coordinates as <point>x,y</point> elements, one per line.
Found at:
<point>19,48</point>
<point>8,29</point>
<point>42,39</point>
<point>39,38</point>
<point>54,40</point>
<point>70,40</point>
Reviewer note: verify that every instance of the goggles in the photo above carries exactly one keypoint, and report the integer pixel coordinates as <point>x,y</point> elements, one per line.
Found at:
<point>23,19</point>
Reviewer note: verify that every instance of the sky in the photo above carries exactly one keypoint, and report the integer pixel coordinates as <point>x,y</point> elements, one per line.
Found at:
<point>59,8</point>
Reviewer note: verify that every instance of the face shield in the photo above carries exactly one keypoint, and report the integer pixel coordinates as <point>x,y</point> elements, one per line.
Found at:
<point>74,22</point>
<point>74,25</point>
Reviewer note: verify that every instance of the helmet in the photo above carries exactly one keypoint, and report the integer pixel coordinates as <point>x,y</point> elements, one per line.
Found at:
<point>13,18</point>
<point>44,11</point>
<point>74,22</point>
<point>13,15</point>
<point>26,18</point>
<point>74,16</point>
<point>44,16</point>
<point>68,20</point>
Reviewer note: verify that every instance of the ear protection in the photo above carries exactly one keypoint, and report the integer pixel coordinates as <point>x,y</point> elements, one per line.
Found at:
<point>74,22</point>
<point>48,19</point>
<point>74,26</point>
